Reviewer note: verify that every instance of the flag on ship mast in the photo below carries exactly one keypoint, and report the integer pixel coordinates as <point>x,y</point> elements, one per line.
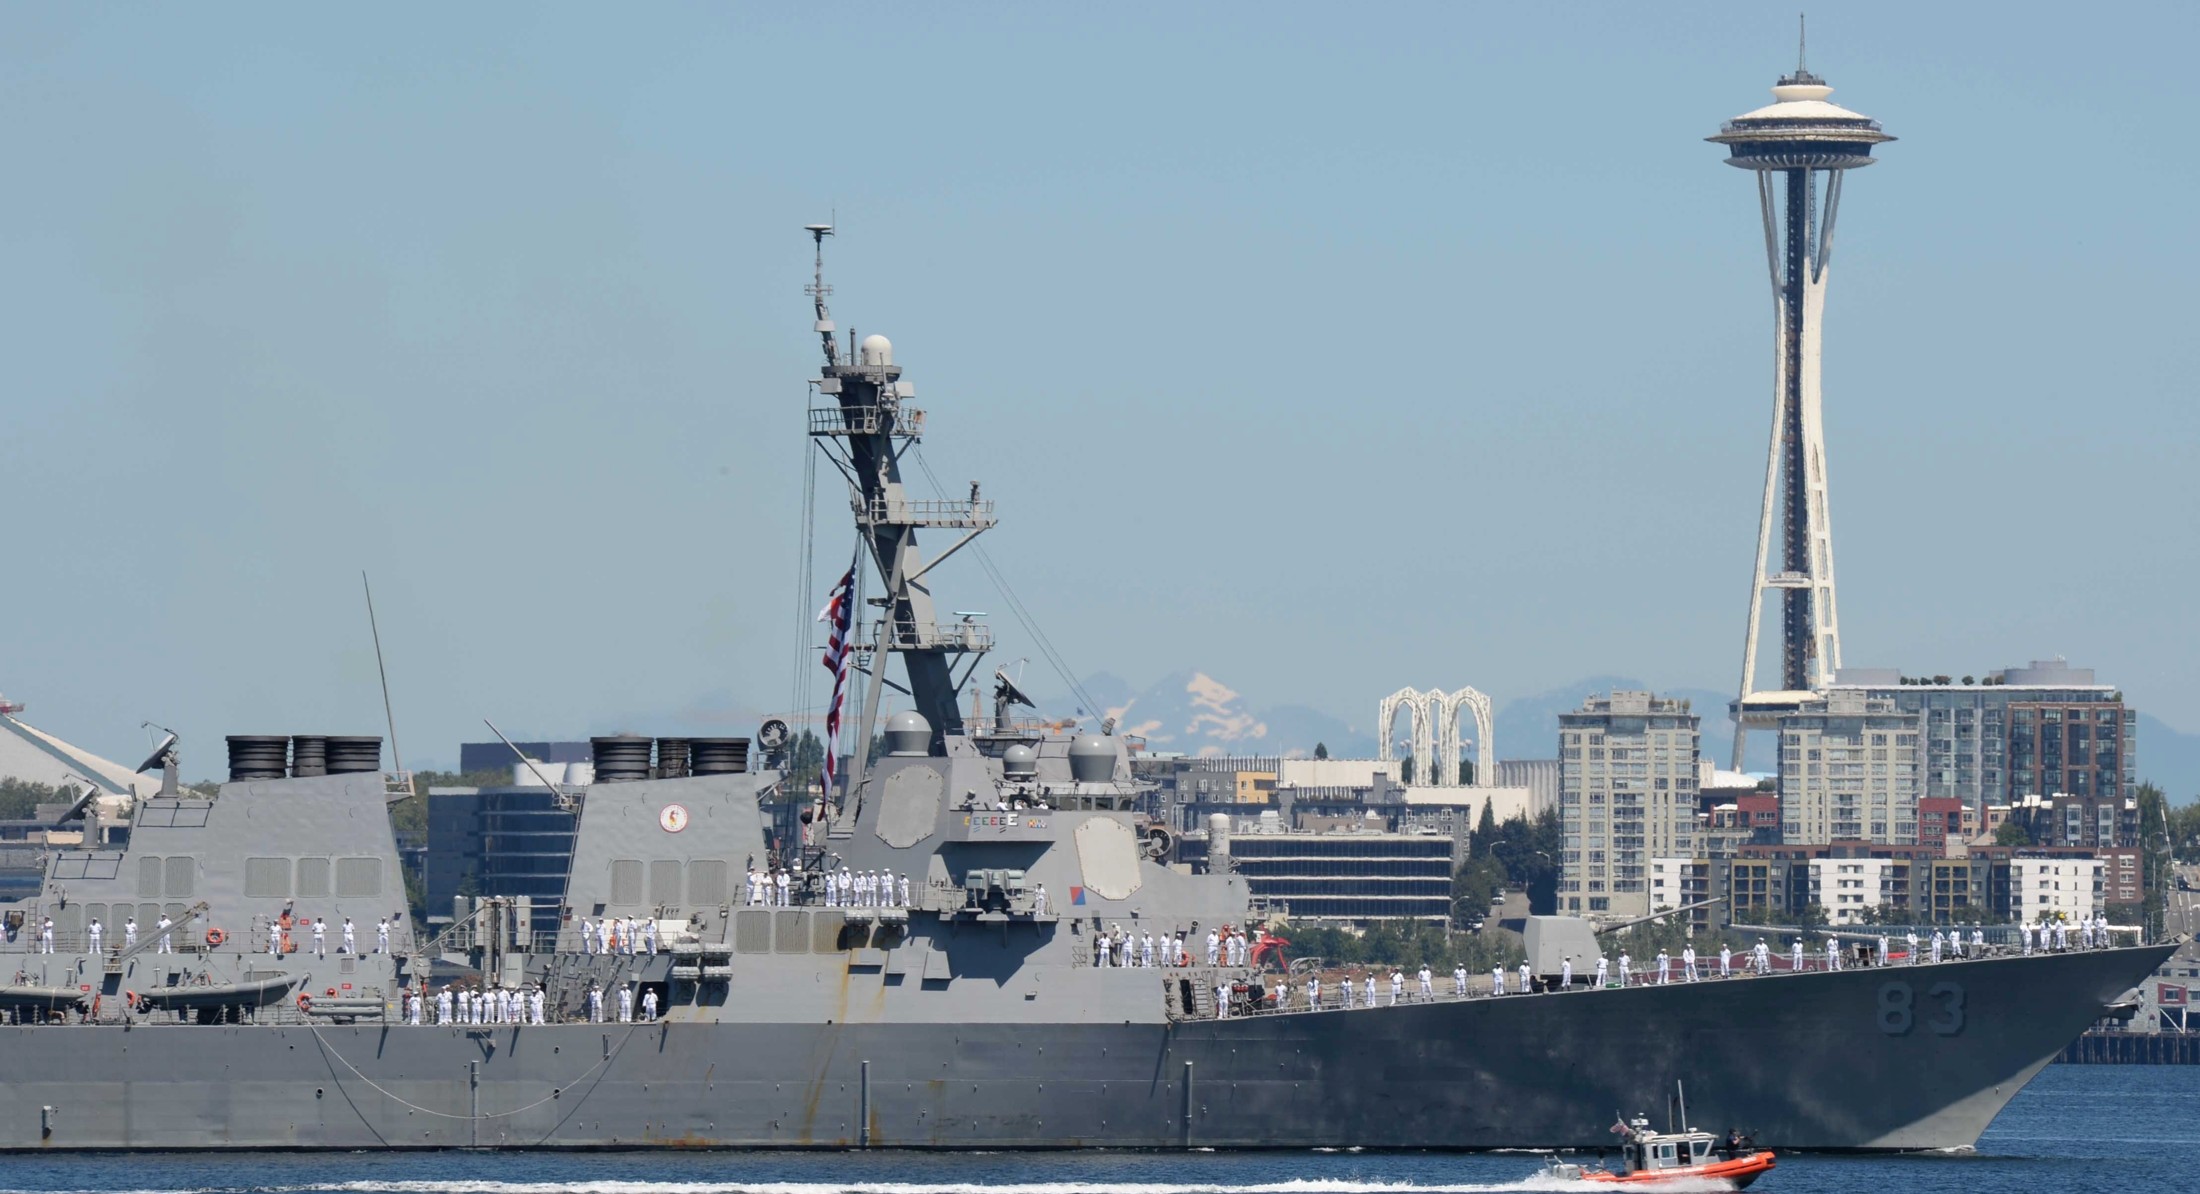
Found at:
<point>839,611</point>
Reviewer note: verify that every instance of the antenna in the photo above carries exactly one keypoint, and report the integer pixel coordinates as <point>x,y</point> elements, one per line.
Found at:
<point>397,759</point>
<point>817,290</point>
<point>1802,42</point>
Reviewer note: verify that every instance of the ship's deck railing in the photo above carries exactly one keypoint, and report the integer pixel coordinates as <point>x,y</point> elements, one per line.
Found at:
<point>976,513</point>
<point>930,636</point>
<point>905,421</point>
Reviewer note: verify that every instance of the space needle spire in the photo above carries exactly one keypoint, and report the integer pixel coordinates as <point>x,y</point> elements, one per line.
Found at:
<point>1800,147</point>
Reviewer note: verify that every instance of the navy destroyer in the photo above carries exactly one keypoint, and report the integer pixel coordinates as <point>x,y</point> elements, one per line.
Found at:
<point>253,983</point>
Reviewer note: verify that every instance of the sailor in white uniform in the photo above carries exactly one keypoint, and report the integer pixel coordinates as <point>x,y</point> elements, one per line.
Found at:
<point>903,882</point>
<point>1428,983</point>
<point>1524,987</point>
<point>129,932</point>
<point>1566,974</point>
<point>382,935</point>
<point>165,936</point>
<point>1761,956</point>
<point>92,934</point>
<point>1626,968</point>
<point>649,1004</point>
<point>1222,1001</point>
<point>1100,947</point>
<point>1884,945</point>
<point>626,1003</point>
<point>1665,968</point>
<point>1604,970</point>
<point>1726,961</point>
<point>1459,980</point>
<point>1397,987</point>
<point>1497,980</point>
<point>1795,955</point>
<point>1145,951</point>
<point>1039,900</point>
<point>595,1004</point>
<point>1978,942</point>
<point>320,939</point>
<point>1833,954</point>
<point>1314,992</point>
<point>350,946</point>
<point>1688,963</point>
<point>45,936</point>
<point>1371,990</point>
<point>1940,942</point>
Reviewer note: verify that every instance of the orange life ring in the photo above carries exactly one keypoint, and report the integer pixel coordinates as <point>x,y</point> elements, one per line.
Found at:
<point>305,1003</point>
<point>135,1000</point>
<point>216,936</point>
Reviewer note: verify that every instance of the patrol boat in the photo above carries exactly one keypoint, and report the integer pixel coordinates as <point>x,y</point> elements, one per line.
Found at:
<point>970,1015</point>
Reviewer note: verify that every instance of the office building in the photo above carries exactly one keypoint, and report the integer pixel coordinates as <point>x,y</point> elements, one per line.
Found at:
<point>1627,794</point>
<point>2029,731</point>
<point>503,841</point>
<point>1351,874</point>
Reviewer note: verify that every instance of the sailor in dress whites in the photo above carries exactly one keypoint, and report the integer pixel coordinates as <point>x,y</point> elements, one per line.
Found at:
<point>320,940</point>
<point>1497,981</point>
<point>382,935</point>
<point>1566,974</point>
<point>595,1003</point>
<point>1726,961</point>
<point>1761,956</point>
<point>1978,942</point>
<point>1459,980</point>
<point>163,927</point>
<point>1145,950</point>
<point>45,936</point>
<point>1214,947</point>
<point>1795,955</point>
<point>1604,970</point>
<point>1397,987</point>
<point>92,934</point>
<point>1940,942</point>
<point>1626,968</point>
<point>1039,900</point>
<point>1524,987</point>
<point>1688,963</point>
<point>1370,989</point>
<point>1665,968</point>
<point>1833,954</point>
<point>129,932</point>
<point>1884,944</point>
<point>649,1004</point>
<point>1428,983</point>
<point>626,1003</point>
<point>350,946</point>
<point>1222,1001</point>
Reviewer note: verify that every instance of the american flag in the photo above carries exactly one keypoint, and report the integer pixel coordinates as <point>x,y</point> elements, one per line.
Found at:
<point>840,612</point>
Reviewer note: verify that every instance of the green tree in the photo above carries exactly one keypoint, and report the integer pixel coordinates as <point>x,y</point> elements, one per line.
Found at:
<point>19,798</point>
<point>1321,750</point>
<point>2009,833</point>
<point>1405,770</point>
<point>2156,834</point>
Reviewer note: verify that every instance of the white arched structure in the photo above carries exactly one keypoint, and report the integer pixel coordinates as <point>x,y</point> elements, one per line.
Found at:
<point>1422,739</point>
<point>1447,738</point>
<point>1434,736</point>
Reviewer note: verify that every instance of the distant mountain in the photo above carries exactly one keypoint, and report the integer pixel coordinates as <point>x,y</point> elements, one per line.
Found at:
<point>2170,759</point>
<point>1193,713</point>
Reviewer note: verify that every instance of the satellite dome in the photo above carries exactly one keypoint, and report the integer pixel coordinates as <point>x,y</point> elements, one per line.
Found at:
<point>908,733</point>
<point>876,350</point>
<point>1019,762</point>
<point>1091,759</point>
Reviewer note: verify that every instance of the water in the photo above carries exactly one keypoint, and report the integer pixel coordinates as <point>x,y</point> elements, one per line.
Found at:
<point>2076,1128</point>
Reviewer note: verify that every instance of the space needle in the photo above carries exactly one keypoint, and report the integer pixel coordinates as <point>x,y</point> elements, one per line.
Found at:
<point>1799,146</point>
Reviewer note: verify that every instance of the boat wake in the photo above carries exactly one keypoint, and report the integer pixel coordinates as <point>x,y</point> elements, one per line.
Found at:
<point>1532,1182</point>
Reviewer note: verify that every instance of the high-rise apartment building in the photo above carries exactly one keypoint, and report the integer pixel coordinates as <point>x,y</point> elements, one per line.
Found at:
<point>2029,731</point>
<point>1849,771</point>
<point>1627,794</point>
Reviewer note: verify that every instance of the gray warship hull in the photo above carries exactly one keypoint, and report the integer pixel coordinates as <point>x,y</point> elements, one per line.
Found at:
<point>1898,1058</point>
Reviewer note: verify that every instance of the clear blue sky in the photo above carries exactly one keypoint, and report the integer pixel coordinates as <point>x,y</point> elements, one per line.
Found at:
<point>1326,349</point>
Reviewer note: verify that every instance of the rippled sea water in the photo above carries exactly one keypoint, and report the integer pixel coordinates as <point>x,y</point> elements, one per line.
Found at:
<point>2076,1128</point>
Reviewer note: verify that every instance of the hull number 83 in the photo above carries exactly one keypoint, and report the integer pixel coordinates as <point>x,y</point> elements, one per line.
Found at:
<point>1940,1009</point>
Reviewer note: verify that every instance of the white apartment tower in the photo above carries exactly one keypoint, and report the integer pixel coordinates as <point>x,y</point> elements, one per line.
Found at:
<point>1850,771</point>
<point>1627,794</point>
